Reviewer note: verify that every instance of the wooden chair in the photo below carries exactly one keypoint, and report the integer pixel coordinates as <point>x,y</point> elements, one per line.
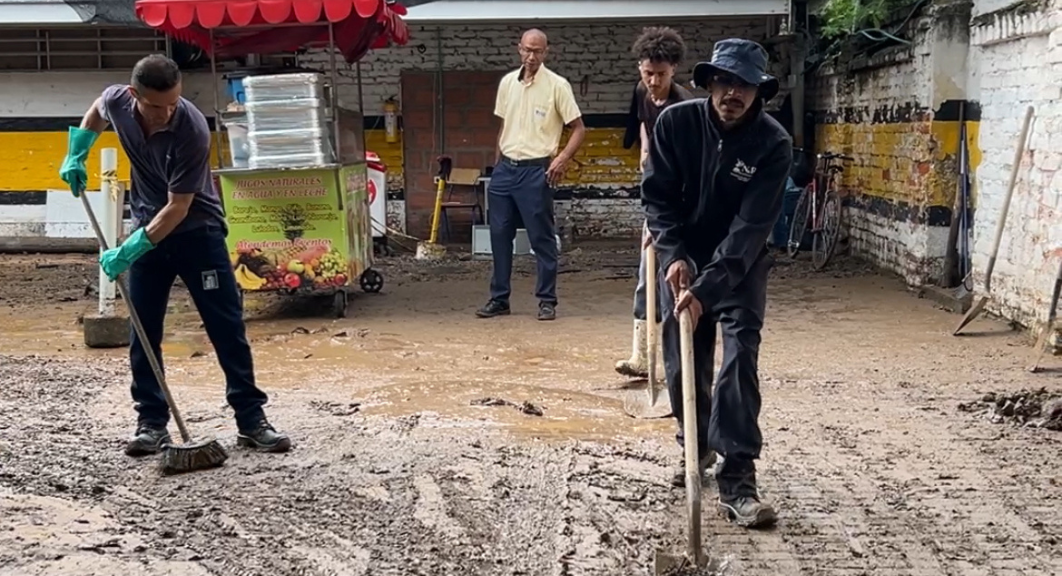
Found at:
<point>464,177</point>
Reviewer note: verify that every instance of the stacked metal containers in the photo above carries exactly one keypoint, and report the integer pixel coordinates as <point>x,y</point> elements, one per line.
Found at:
<point>287,121</point>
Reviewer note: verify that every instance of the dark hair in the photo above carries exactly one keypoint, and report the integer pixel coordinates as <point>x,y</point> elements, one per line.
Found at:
<point>660,44</point>
<point>156,72</point>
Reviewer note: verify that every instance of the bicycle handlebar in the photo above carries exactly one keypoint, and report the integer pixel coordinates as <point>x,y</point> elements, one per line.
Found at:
<point>833,156</point>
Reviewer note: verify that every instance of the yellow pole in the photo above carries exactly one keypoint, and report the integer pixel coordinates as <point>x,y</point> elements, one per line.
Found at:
<point>438,210</point>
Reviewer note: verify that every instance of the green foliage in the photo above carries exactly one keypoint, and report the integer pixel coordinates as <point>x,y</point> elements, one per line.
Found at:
<point>843,17</point>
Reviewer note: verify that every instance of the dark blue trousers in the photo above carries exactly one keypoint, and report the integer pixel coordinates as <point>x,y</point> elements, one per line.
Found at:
<point>728,419</point>
<point>522,193</point>
<point>200,258</point>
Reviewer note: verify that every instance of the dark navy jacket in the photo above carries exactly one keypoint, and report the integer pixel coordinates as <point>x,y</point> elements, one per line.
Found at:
<point>713,196</point>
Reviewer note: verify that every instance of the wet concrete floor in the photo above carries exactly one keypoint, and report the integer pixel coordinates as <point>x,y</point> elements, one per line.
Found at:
<point>401,468</point>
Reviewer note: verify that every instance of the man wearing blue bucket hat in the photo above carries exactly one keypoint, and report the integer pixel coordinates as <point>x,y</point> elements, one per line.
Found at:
<point>712,191</point>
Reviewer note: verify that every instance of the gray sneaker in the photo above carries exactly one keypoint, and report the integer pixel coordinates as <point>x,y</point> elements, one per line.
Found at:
<point>146,441</point>
<point>678,479</point>
<point>747,511</point>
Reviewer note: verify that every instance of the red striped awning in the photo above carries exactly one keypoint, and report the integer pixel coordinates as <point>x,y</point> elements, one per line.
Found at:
<point>263,26</point>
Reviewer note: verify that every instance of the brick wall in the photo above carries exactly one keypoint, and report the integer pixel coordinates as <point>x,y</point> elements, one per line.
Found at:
<point>896,113</point>
<point>887,111</point>
<point>601,191</point>
<point>1016,56</point>
<point>599,198</point>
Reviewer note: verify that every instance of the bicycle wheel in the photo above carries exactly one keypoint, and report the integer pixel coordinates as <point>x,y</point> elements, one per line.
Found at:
<point>799,226</point>
<point>825,240</point>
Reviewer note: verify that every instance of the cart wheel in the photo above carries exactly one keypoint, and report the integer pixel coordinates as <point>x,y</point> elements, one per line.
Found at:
<point>339,304</point>
<point>371,281</point>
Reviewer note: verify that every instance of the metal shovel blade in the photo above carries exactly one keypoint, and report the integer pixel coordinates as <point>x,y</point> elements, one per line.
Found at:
<point>670,564</point>
<point>647,405</point>
<point>652,403</point>
<point>1041,348</point>
<point>680,565</point>
<point>971,314</point>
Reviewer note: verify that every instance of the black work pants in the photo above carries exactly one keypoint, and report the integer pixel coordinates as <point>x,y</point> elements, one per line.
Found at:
<point>728,420</point>
<point>200,258</point>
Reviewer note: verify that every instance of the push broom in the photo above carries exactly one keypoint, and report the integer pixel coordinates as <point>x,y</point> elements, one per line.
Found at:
<point>192,455</point>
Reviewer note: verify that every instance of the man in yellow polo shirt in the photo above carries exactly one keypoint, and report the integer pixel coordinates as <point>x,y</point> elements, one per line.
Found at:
<point>535,104</point>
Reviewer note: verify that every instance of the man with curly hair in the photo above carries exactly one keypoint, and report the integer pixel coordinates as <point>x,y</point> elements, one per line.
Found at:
<point>659,51</point>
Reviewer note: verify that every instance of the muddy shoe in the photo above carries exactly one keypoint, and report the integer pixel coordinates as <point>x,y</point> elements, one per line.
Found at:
<point>492,309</point>
<point>147,441</point>
<point>747,511</point>
<point>547,311</point>
<point>678,479</point>
<point>264,438</point>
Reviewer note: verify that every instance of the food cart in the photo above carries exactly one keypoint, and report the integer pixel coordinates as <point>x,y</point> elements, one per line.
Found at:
<point>295,187</point>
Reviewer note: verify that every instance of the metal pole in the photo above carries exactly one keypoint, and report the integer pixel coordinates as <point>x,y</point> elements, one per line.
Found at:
<point>217,101</point>
<point>361,94</point>
<point>110,220</point>
<point>441,98</point>
<point>796,95</point>
<point>335,89</point>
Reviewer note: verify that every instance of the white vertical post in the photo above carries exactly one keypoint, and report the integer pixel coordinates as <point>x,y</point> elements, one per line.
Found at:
<point>110,216</point>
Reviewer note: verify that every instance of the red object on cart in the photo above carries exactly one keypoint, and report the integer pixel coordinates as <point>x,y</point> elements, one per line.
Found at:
<point>242,27</point>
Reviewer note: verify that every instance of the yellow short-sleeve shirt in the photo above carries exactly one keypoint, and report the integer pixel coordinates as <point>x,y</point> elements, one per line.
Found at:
<point>534,113</point>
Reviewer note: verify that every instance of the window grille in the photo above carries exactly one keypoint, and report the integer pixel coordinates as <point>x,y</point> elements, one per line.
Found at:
<point>77,48</point>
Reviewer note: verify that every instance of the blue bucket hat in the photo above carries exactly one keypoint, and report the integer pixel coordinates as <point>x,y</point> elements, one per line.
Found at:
<point>742,58</point>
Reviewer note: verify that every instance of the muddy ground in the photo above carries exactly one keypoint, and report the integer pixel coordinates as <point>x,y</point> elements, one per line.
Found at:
<point>401,468</point>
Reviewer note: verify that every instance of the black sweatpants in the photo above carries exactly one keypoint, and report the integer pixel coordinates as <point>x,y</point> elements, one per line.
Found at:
<point>201,259</point>
<point>728,420</point>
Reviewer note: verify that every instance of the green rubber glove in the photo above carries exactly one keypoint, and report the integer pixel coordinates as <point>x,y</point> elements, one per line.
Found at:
<point>118,260</point>
<point>73,172</point>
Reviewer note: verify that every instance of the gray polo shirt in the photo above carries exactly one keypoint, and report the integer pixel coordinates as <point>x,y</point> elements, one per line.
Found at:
<point>175,159</point>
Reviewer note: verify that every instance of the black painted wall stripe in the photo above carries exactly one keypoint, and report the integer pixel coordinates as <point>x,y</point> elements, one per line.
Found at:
<point>901,211</point>
<point>63,123</point>
<point>951,110</point>
<point>27,198</point>
<point>39,197</point>
<point>900,114</point>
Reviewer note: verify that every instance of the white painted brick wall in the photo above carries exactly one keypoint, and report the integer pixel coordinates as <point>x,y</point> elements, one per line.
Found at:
<point>1015,72</point>
<point>52,94</point>
<point>600,54</point>
<point>902,247</point>
<point>597,56</point>
<point>904,82</point>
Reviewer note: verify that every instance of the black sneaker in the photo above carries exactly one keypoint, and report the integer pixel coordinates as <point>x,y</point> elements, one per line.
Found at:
<point>678,479</point>
<point>148,440</point>
<point>747,511</point>
<point>493,308</point>
<point>264,438</point>
<point>547,311</point>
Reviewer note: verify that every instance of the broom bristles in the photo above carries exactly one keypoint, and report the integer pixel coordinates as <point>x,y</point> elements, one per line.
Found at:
<point>191,457</point>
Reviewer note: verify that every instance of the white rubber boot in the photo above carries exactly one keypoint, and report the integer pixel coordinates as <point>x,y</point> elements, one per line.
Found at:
<point>636,365</point>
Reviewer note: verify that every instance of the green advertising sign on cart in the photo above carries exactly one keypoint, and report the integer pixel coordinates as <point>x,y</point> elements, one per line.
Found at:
<point>287,229</point>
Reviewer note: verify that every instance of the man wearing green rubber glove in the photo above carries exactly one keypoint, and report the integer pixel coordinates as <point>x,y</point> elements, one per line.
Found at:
<point>73,169</point>
<point>180,232</point>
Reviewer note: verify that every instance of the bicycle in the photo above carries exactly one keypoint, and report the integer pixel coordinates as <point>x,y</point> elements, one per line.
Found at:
<point>822,204</point>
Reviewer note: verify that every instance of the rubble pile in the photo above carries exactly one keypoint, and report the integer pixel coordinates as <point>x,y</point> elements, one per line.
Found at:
<point>1033,408</point>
